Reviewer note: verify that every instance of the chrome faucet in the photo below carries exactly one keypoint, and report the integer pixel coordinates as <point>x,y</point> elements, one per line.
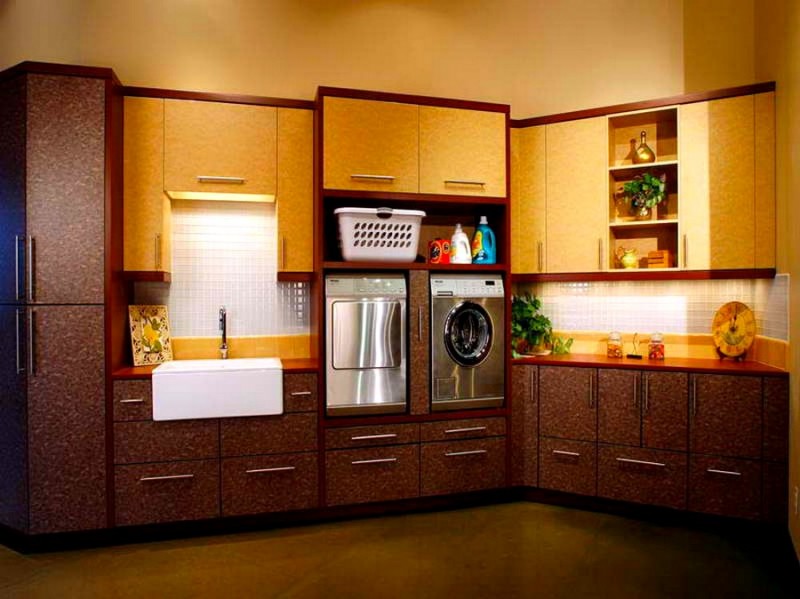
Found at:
<point>223,327</point>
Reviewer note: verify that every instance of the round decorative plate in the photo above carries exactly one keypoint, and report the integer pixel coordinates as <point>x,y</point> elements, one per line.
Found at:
<point>733,328</point>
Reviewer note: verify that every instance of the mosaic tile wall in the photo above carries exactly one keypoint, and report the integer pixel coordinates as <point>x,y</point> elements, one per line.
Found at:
<point>225,254</point>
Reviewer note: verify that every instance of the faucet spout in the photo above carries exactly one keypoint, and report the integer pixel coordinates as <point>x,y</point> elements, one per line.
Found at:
<point>223,328</point>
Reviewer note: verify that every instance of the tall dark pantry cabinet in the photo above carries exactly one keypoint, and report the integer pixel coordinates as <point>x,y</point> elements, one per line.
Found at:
<point>53,266</point>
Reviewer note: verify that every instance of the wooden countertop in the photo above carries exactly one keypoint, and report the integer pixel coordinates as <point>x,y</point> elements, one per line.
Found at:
<point>745,367</point>
<point>291,366</point>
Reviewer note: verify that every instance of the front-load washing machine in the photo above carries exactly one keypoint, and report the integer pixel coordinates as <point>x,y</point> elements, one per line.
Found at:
<point>467,341</point>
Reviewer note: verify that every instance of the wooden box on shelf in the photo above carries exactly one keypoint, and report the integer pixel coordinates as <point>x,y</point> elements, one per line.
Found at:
<point>659,259</point>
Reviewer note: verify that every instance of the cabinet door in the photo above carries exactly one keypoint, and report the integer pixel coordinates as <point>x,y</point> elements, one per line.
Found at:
<point>12,190</point>
<point>462,152</point>
<point>618,412</point>
<point>147,210</point>
<point>764,123</point>
<point>371,474</point>
<point>211,139</point>
<point>13,419</point>
<point>577,182</point>
<point>66,419</point>
<point>370,145</point>
<point>295,197</point>
<point>776,419</point>
<point>528,214</point>
<point>66,189</point>
<point>665,410</point>
<point>524,427</point>
<point>567,407</point>
<point>717,184</point>
<point>725,415</point>
<point>419,346</point>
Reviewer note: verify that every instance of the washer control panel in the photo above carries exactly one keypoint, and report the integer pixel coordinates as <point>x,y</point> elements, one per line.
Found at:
<point>467,286</point>
<point>350,285</point>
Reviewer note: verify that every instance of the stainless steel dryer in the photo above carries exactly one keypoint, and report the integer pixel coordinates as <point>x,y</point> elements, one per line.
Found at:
<point>467,341</point>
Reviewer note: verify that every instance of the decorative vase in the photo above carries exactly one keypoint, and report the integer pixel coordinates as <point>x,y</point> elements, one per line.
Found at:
<point>628,258</point>
<point>643,154</point>
<point>642,212</point>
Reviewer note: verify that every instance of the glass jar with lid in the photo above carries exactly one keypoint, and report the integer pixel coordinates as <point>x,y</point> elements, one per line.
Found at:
<point>655,349</point>
<point>614,345</point>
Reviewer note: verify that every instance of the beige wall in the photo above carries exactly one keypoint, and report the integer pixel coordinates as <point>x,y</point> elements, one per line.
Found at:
<point>777,56</point>
<point>540,56</point>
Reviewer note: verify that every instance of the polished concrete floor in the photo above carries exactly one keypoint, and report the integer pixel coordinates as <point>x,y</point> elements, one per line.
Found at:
<point>508,550</point>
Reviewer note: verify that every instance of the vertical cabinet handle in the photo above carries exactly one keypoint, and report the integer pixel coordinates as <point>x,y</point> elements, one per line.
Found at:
<point>685,251</point>
<point>591,390</point>
<point>600,254</point>
<point>32,343</point>
<point>540,257</point>
<point>635,391</point>
<point>283,252</point>
<point>419,323</point>
<point>646,393</point>
<point>157,253</point>
<point>20,361</point>
<point>694,397</point>
<point>31,269</point>
<point>19,241</point>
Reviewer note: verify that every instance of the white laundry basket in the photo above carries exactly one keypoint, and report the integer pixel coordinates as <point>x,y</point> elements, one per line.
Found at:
<point>379,234</point>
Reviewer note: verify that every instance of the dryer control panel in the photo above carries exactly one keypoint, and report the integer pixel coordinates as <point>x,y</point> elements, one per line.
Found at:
<point>467,286</point>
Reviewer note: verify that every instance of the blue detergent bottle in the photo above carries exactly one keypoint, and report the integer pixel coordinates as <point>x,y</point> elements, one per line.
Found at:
<point>484,248</point>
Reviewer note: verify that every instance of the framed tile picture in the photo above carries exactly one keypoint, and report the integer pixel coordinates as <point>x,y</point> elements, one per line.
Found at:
<point>149,334</point>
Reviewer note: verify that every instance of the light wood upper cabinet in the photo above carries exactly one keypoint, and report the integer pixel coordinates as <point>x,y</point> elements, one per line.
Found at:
<point>370,145</point>
<point>147,211</point>
<point>528,199</point>
<point>295,197</point>
<point>576,154</point>
<point>462,152</point>
<point>727,183</point>
<point>207,142</point>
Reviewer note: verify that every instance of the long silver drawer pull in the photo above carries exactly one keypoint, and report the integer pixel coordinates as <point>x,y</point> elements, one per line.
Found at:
<point>368,437</point>
<point>727,472</point>
<point>641,462</point>
<point>277,469</point>
<point>31,257</point>
<point>132,400</point>
<point>473,452</point>
<point>464,182</point>
<point>18,240</point>
<point>646,393</point>
<point>213,179</point>
<point>469,429</point>
<point>20,362</point>
<point>32,343</point>
<point>572,454</point>
<point>300,393</point>
<point>388,178</point>
<point>380,461</point>
<point>171,477</point>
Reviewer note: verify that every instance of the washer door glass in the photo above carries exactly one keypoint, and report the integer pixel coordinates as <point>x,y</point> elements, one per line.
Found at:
<point>468,334</point>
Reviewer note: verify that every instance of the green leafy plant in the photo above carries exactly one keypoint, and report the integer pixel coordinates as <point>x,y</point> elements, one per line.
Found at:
<point>645,190</point>
<point>561,345</point>
<point>529,327</point>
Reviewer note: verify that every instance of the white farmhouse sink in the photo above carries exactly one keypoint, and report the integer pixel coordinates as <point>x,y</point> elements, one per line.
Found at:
<point>184,389</point>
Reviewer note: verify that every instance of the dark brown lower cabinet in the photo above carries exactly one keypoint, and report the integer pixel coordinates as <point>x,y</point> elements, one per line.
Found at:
<point>300,392</point>
<point>166,492</point>
<point>463,466</point>
<point>371,474</point>
<point>524,427</point>
<point>725,486</point>
<point>274,483</point>
<point>569,466</point>
<point>149,441</point>
<point>268,434</point>
<point>640,475</point>
<point>775,492</point>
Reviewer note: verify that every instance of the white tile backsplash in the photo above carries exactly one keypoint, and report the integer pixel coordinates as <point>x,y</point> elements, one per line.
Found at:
<point>225,254</point>
<point>666,306</point>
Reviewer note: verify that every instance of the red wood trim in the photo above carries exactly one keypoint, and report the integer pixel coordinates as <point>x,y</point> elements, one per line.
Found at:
<point>360,94</point>
<point>176,94</point>
<point>296,277</point>
<point>385,196</point>
<point>300,365</point>
<point>344,421</point>
<point>645,275</point>
<point>51,68</point>
<point>669,365</point>
<point>331,265</point>
<point>729,92</point>
<point>151,276</point>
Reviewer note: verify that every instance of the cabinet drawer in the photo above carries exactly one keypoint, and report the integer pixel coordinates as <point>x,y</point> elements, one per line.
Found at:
<point>776,419</point>
<point>461,466</point>
<point>300,392</point>
<point>372,474</point>
<point>268,434</point>
<point>725,486</point>
<point>369,436</point>
<point>166,492</point>
<point>136,442</point>
<point>642,475</point>
<point>774,501</point>
<point>275,483</point>
<point>569,466</point>
<point>133,400</point>
<point>450,430</point>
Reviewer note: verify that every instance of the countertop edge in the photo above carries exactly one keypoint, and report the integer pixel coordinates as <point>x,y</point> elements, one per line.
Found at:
<point>290,366</point>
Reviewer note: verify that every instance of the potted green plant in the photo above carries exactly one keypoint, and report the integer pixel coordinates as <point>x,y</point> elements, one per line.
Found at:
<point>644,192</point>
<point>531,331</point>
